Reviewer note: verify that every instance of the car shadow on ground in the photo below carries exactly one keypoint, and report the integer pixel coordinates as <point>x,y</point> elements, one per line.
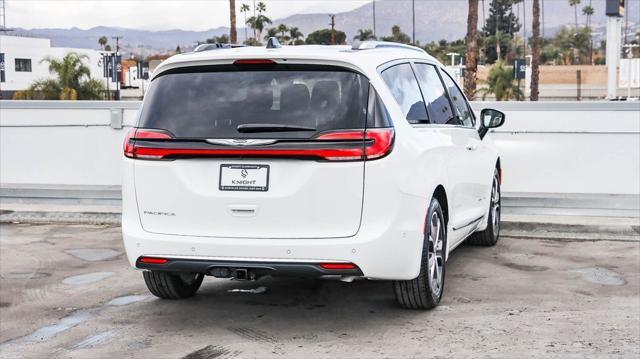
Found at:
<point>310,306</point>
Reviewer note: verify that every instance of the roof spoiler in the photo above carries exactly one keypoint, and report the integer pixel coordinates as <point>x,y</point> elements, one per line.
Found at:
<point>368,45</point>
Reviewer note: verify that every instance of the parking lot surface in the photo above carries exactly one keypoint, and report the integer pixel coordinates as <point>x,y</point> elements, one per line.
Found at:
<point>67,291</point>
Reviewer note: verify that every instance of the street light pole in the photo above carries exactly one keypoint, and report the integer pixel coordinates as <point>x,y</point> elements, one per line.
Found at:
<point>413,11</point>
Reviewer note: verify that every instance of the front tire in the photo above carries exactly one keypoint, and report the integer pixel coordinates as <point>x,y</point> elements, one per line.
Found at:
<point>489,237</point>
<point>172,285</point>
<point>425,291</point>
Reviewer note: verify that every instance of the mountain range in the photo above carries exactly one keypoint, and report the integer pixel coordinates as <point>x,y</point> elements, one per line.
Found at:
<point>434,19</point>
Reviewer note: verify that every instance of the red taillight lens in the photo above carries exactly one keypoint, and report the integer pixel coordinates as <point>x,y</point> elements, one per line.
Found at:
<point>254,62</point>
<point>348,145</point>
<point>379,142</point>
<point>338,266</point>
<point>130,149</point>
<point>153,260</point>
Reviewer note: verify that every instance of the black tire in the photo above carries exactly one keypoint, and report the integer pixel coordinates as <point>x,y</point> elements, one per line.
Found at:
<point>171,285</point>
<point>425,291</point>
<point>491,235</point>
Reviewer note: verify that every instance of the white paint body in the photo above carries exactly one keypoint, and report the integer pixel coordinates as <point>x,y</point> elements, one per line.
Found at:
<point>368,213</point>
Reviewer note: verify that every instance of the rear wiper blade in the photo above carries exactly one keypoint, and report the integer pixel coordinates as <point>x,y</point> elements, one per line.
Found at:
<point>267,127</point>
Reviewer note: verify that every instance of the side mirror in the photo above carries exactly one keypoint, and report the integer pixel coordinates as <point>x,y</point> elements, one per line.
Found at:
<point>490,118</point>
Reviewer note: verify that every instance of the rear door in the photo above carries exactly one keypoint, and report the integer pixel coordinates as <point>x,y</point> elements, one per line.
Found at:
<point>252,150</point>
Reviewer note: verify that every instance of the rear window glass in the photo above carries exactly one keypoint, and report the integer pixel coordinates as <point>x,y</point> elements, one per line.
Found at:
<point>212,103</point>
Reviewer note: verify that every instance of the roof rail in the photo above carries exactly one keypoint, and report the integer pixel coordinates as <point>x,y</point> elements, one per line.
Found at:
<point>368,45</point>
<point>215,46</point>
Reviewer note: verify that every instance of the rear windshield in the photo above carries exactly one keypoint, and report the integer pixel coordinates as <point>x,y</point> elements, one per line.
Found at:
<point>222,102</point>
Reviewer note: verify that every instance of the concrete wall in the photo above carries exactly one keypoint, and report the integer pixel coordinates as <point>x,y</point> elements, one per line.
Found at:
<point>552,149</point>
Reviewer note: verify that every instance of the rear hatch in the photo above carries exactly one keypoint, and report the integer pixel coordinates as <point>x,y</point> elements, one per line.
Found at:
<point>255,150</point>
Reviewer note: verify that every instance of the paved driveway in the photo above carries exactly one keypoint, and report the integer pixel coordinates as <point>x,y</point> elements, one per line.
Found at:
<point>67,291</point>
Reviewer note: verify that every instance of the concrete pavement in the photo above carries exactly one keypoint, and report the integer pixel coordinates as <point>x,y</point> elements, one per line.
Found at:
<point>67,291</point>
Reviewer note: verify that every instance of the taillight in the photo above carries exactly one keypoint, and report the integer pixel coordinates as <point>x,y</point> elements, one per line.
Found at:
<point>378,142</point>
<point>346,145</point>
<point>130,149</point>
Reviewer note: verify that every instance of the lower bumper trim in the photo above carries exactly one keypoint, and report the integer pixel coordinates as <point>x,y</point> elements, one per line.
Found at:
<point>252,269</point>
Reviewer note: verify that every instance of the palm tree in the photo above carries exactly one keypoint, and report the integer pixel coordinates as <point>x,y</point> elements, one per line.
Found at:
<point>103,42</point>
<point>258,22</point>
<point>364,35</point>
<point>535,52</point>
<point>295,35</point>
<point>73,81</point>
<point>574,4</point>
<point>472,50</point>
<point>588,12</point>
<point>233,33</point>
<point>282,29</point>
<point>500,83</point>
<point>272,32</point>
<point>244,8</point>
<point>397,36</point>
<point>498,40</point>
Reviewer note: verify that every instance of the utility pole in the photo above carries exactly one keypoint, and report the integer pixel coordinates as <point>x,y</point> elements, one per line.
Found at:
<point>374,18</point>
<point>333,29</point>
<point>116,65</point>
<point>413,11</point>
<point>524,21</point>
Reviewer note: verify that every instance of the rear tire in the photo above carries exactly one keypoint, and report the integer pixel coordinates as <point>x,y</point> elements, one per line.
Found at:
<point>489,237</point>
<point>425,291</point>
<point>172,285</point>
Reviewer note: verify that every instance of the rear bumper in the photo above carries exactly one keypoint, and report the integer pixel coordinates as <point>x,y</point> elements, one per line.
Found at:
<point>222,268</point>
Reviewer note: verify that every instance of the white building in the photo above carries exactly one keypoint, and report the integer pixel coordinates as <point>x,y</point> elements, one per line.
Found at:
<point>23,62</point>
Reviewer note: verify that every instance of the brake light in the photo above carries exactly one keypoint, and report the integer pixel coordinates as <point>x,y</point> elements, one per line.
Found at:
<point>338,266</point>
<point>379,141</point>
<point>254,62</point>
<point>130,149</point>
<point>153,260</point>
<point>348,145</point>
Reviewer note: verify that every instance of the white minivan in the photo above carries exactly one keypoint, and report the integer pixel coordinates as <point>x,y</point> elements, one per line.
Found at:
<point>308,161</point>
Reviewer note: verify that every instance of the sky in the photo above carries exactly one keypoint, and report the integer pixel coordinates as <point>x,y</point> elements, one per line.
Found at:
<point>153,14</point>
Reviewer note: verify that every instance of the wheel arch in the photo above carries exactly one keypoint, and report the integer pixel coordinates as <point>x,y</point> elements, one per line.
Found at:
<point>441,195</point>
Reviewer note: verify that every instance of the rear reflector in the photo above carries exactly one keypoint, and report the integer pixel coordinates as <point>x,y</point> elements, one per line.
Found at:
<point>254,62</point>
<point>347,145</point>
<point>338,266</point>
<point>152,260</point>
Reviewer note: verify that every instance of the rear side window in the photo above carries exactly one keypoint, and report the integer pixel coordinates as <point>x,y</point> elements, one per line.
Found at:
<point>435,96</point>
<point>404,87</point>
<point>460,106</point>
<point>218,102</point>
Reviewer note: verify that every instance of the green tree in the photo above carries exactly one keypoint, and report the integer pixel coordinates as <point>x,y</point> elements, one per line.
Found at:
<point>574,4</point>
<point>588,12</point>
<point>296,36</point>
<point>222,39</point>
<point>500,26</point>
<point>72,81</point>
<point>397,36</point>
<point>500,83</point>
<point>103,42</point>
<point>244,9</point>
<point>178,50</point>
<point>364,35</point>
<point>282,30</point>
<point>323,37</point>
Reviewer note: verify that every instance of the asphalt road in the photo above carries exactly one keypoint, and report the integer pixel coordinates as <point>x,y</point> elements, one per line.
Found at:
<point>67,291</point>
